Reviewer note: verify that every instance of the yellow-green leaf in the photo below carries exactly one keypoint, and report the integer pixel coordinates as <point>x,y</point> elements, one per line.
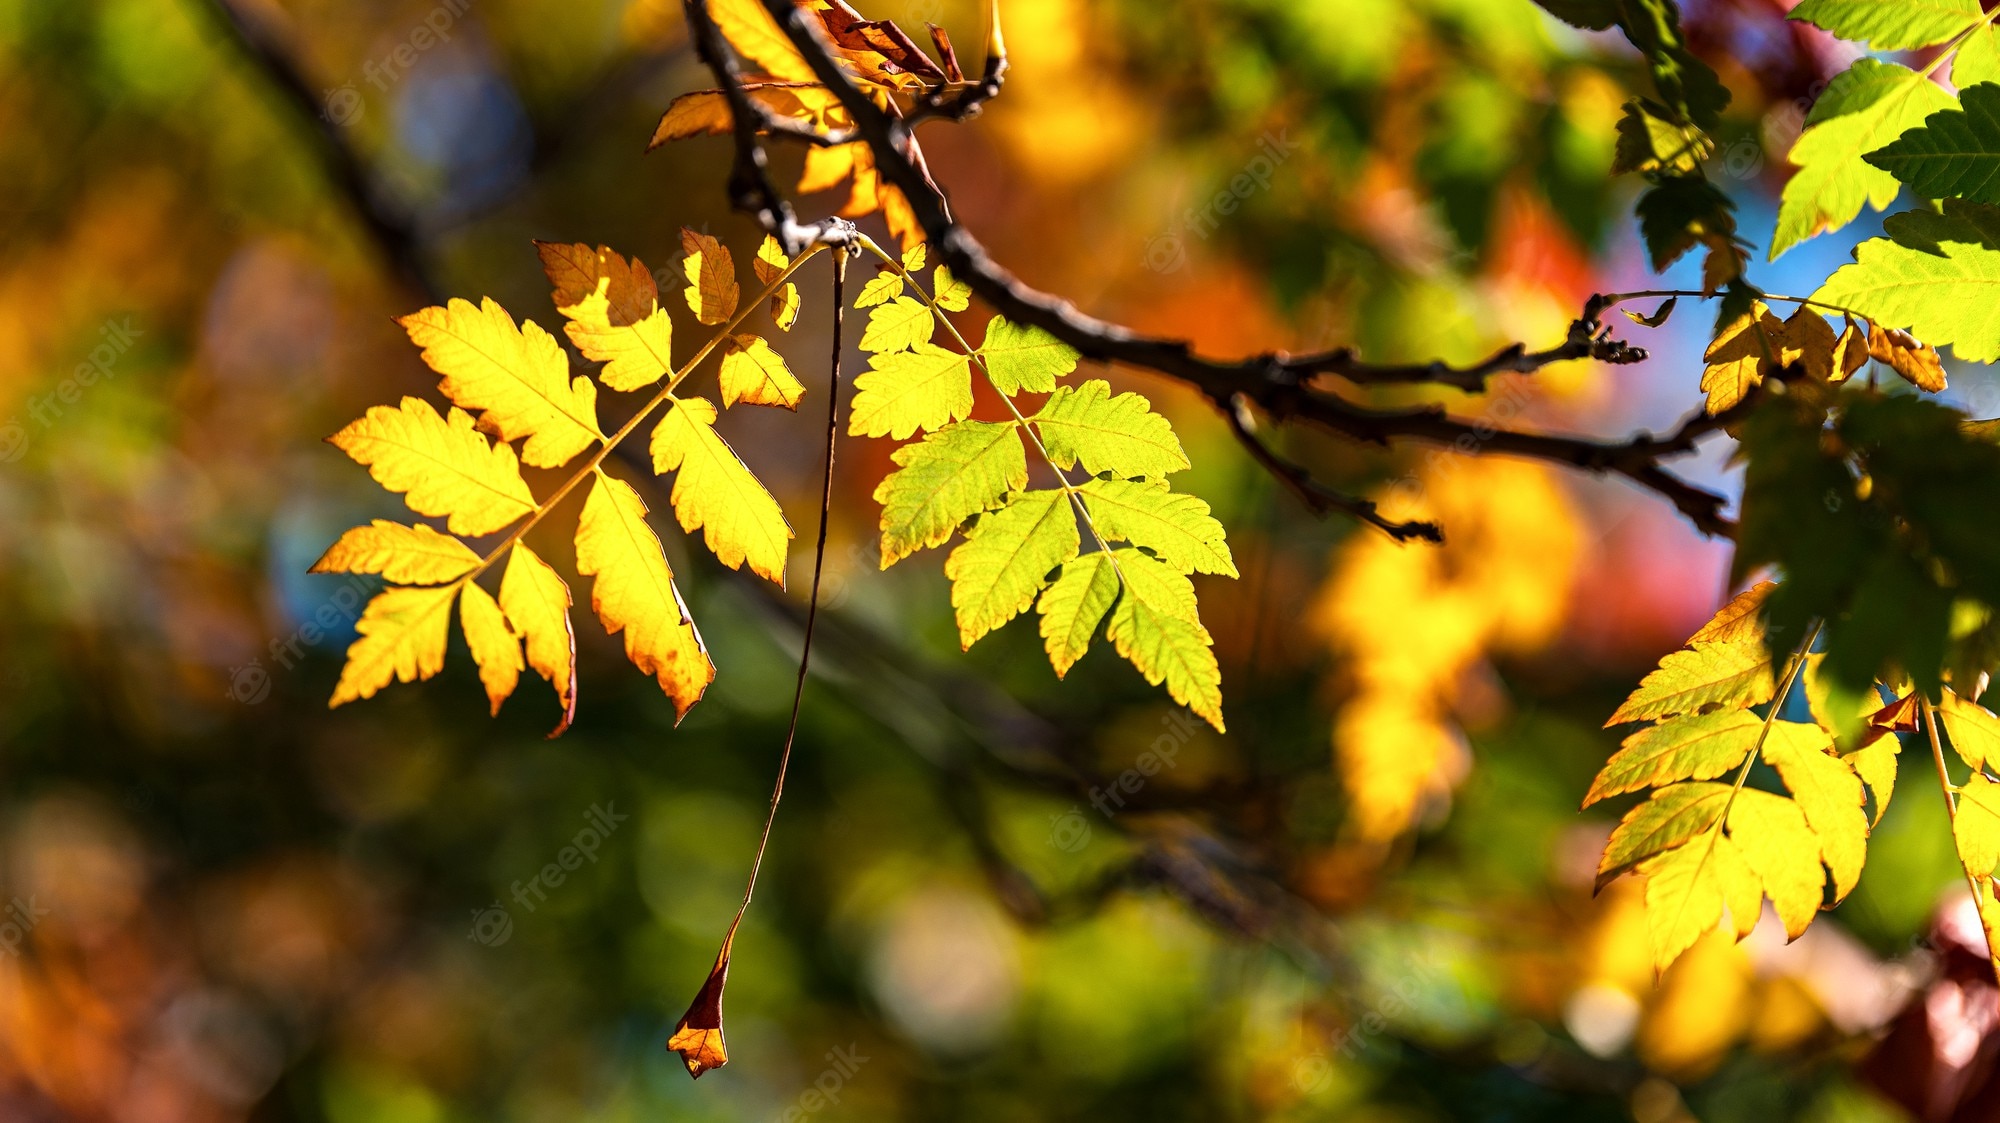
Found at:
<point>1007,559</point>
<point>951,294</point>
<point>904,391</point>
<point>944,479</point>
<point>899,325</point>
<point>1074,606</point>
<point>881,289</point>
<point>495,647</point>
<point>1738,621</point>
<point>1153,629</point>
<point>711,290</point>
<point>536,601</point>
<point>1694,679</point>
<point>517,377</point>
<point>402,639</point>
<point>1699,747</point>
<point>634,592</point>
<point>444,467</point>
<point>754,373</point>
<point>406,555</point>
<point>1019,357</point>
<point>1178,528</point>
<point>1669,818</point>
<point>1121,435</point>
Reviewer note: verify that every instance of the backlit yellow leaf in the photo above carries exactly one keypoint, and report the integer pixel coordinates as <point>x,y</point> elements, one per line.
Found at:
<point>614,312</point>
<point>1849,353</point>
<point>444,468</point>
<point>1739,358</point>
<point>1738,621</point>
<point>749,29</point>
<point>1176,527</point>
<point>1686,890</point>
<point>944,479</point>
<point>536,601</point>
<point>495,647</point>
<point>1778,843</point>
<point>1698,747</point>
<point>518,378</point>
<point>1074,606</point>
<point>406,555</point>
<point>951,294</point>
<point>1829,793</point>
<point>1005,560</point>
<point>402,639</point>
<point>770,264</point>
<point>1973,730</point>
<point>904,391</point>
<point>634,592</point>
<point>711,273</point>
<point>1670,817</point>
<point>716,494</point>
<point>1918,364</point>
<point>1154,627</point>
<point>899,325</point>
<point>1808,340</point>
<point>1976,827</point>
<point>754,373</point>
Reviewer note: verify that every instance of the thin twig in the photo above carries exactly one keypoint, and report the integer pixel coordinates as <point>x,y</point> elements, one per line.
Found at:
<point>1318,498</point>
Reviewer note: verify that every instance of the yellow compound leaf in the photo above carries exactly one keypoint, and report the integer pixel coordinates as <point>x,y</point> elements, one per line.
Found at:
<point>706,112</point>
<point>1694,679</point>
<point>1121,436</point>
<point>1074,606</point>
<point>537,601</point>
<point>904,391</point>
<point>1976,827</point>
<point>1778,843</point>
<point>1849,353</point>
<point>444,467</point>
<point>1876,765</point>
<point>951,294</point>
<point>771,263</point>
<point>1919,365</point>
<point>1687,889</point>
<point>1974,731</point>
<point>1739,358</point>
<point>914,258</point>
<point>518,378</point>
<point>826,167</point>
<point>944,479</point>
<point>402,639</point>
<point>883,288</point>
<point>406,555</point>
<point>716,494</point>
<point>1808,340</point>
<point>711,273</point>
<point>749,29</point>
<point>614,312</point>
<point>634,592</point>
<point>1006,558</point>
<point>899,325</point>
<point>1829,794</point>
<point>1738,621</point>
<point>755,374</point>
<point>1700,747</point>
<point>495,647</point>
<point>1155,629</point>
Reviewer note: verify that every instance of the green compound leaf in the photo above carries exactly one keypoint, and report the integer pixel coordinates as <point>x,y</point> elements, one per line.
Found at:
<point>899,325</point>
<point>1019,357</point>
<point>1866,107</point>
<point>1074,606</point>
<point>1891,25</point>
<point>903,391</point>
<point>1007,559</point>
<point>1178,528</point>
<point>1120,435</point>
<point>1155,629</point>
<point>1956,152</point>
<point>1936,275</point>
<point>949,476</point>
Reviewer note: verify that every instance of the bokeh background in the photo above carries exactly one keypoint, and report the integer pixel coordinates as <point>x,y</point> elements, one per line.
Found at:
<point>1370,900</point>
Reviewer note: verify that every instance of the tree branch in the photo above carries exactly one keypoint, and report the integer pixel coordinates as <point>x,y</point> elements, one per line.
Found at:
<point>1279,384</point>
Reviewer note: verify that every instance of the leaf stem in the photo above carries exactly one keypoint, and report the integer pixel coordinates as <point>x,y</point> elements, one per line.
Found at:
<point>1610,299</point>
